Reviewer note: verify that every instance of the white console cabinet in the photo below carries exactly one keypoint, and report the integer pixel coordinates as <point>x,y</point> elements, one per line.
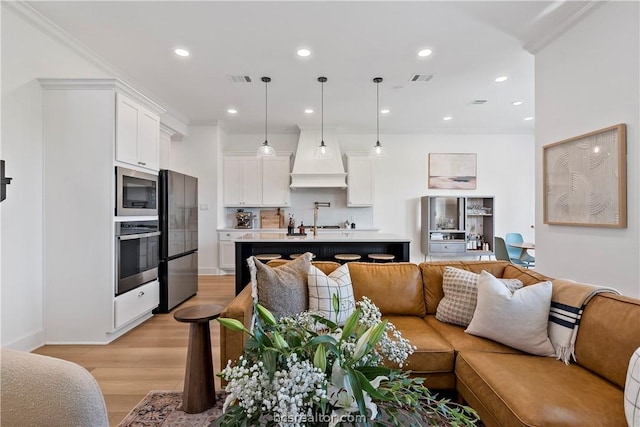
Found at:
<point>80,128</point>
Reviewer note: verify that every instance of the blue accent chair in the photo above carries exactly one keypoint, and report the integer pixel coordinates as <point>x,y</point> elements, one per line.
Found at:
<point>514,253</point>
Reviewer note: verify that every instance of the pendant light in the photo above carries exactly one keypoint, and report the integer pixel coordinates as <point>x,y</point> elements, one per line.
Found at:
<point>265,149</point>
<point>322,151</point>
<point>377,151</point>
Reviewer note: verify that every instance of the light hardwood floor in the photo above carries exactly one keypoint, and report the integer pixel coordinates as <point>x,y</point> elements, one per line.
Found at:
<point>150,357</point>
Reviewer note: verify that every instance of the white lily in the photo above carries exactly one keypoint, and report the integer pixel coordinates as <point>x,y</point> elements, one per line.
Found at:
<point>231,398</point>
<point>341,397</point>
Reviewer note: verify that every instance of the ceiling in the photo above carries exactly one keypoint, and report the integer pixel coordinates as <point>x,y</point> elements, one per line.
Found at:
<point>351,43</point>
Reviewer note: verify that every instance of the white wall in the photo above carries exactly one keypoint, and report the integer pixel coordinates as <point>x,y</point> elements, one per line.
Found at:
<point>588,79</point>
<point>505,170</point>
<point>197,155</point>
<point>27,54</point>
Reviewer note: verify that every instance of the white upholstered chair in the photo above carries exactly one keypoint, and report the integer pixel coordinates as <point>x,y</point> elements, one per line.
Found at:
<point>38,390</point>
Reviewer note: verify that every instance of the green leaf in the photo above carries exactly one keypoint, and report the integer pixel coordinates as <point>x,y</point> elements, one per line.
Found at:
<point>322,339</point>
<point>366,386</point>
<point>357,390</point>
<point>269,359</point>
<point>351,323</point>
<point>233,324</point>
<point>266,315</point>
<point>323,320</point>
<point>370,372</point>
<point>320,358</point>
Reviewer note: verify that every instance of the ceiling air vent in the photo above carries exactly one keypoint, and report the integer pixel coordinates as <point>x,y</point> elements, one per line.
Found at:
<point>478,102</point>
<point>421,77</point>
<point>240,79</point>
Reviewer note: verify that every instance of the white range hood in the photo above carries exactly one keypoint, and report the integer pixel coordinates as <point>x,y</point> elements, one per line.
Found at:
<point>309,172</point>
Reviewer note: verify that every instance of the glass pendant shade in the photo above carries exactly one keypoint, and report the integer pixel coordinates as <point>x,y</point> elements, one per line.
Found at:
<point>265,150</point>
<point>322,150</point>
<point>378,150</point>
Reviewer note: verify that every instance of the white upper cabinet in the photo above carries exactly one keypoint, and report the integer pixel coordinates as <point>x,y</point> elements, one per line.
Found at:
<point>137,134</point>
<point>255,182</point>
<point>360,179</point>
<point>276,180</point>
<point>241,180</point>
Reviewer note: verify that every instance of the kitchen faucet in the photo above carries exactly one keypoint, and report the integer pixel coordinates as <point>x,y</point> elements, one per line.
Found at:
<point>317,205</point>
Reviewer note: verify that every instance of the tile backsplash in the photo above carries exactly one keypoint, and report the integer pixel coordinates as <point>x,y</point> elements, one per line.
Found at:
<point>302,203</point>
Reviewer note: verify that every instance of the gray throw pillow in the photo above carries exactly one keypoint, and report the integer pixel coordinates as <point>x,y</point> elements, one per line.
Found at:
<point>282,290</point>
<point>460,289</point>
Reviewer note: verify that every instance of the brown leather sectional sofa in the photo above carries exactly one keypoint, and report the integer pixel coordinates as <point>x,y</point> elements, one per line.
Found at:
<point>506,386</point>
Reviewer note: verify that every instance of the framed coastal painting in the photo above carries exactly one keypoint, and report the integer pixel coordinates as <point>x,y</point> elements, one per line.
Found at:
<point>585,179</point>
<point>452,171</point>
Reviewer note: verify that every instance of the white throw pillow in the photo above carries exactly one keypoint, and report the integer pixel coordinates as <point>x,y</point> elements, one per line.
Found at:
<point>323,287</point>
<point>460,288</point>
<point>517,319</point>
<point>632,391</point>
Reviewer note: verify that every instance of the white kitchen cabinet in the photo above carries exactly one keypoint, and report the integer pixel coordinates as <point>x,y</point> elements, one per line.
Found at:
<point>227,249</point>
<point>79,132</point>
<point>360,179</point>
<point>131,305</point>
<point>276,179</point>
<point>137,134</point>
<point>249,181</point>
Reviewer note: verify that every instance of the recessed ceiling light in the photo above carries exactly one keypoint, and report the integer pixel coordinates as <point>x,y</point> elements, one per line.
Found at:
<point>385,111</point>
<point>516,103</point>
<point>308,111</point>
<point>501,79</point>
<point>447,118</point>
<point>304,52</point>
<point>232,111</point>
<point>424,52</point>
<point>181,52</point>
<point>528,118</point>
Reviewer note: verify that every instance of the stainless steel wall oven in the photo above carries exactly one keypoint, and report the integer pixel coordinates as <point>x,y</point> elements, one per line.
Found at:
<point>137,254</point>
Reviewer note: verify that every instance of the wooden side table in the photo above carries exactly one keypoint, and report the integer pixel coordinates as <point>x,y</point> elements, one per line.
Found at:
<point>199,388</point>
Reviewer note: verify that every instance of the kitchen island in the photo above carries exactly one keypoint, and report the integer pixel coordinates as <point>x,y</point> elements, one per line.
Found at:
<point>324,245</point>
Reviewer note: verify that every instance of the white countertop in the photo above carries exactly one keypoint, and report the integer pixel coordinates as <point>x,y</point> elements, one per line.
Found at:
<point>284,230</point>
<point>341,236</point>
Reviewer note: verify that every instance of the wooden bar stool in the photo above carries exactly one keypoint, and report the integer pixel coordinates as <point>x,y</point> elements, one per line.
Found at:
<point>268,257</point>
<point>381,257</point>
<point>294,256</point>
<point>199,389</point>
<point>342,258</point>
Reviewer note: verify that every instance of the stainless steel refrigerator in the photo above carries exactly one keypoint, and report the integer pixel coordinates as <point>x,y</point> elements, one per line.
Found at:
<point>178,215</point>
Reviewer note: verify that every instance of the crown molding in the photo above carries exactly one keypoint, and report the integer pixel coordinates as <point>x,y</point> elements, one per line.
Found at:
<point>102,84</point>
<point>42,23</point>
<point>548,35</point>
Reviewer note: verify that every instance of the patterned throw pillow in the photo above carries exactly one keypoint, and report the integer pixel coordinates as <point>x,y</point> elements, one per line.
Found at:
<point>460,289</point>
<point>632,390</point>
<point>322,288</point>
<point>282,290</point>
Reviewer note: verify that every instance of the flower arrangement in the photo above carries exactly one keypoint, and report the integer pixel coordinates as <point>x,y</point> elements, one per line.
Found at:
<point>307,371</point>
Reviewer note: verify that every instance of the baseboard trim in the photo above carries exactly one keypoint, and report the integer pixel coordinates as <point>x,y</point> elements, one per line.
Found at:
<point>27,343</point>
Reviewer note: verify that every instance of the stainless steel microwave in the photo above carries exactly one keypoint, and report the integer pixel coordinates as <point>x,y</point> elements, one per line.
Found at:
<point>136,193</point>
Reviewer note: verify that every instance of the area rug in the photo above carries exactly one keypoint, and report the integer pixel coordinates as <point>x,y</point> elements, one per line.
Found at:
<point>161,408</point>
